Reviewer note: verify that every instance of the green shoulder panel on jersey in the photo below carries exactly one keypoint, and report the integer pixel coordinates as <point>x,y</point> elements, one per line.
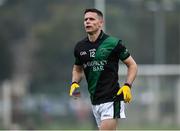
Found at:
<point>101,57</point>
<point>105,48</point>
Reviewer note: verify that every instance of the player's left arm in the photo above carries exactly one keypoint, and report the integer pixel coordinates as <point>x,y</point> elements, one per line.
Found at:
<point>131,69</point>
<point>131,74</point>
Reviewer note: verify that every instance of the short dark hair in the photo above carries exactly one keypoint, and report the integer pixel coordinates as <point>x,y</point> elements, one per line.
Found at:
<point>98,12</point>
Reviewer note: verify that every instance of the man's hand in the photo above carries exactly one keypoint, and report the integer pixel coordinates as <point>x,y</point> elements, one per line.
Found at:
<point>126,90</point>
<point>74,90</point>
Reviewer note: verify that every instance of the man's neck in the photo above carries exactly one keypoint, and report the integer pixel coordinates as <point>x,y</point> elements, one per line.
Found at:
<point>93,37</point>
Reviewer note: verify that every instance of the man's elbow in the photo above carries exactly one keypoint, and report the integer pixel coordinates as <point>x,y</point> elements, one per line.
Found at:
<point>135,67</point>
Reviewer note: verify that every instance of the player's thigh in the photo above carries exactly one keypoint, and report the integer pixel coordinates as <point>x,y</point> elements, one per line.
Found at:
<point>108,124</point>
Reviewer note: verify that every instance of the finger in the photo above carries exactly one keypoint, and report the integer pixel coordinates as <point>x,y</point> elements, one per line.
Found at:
<point>128,100</point>
<point>71,91</point>
<point>129,97</point>
<point>119,92</point>
<point>125,96</point>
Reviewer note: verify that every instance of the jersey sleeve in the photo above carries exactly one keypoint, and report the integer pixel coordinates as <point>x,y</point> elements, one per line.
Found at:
<point>77,59</point>
<point>124,53</point>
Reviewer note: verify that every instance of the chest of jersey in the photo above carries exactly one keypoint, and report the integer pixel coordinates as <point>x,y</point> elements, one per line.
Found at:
<point>95,57</point>
<point>94,53</point>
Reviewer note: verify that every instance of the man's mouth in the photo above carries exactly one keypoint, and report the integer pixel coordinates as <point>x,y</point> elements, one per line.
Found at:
<point>88,27</point>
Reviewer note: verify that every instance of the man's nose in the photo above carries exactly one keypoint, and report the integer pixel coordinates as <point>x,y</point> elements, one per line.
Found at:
<point>87,22</point>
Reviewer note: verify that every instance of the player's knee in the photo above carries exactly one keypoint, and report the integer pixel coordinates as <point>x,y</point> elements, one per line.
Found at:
<point>109,124</point>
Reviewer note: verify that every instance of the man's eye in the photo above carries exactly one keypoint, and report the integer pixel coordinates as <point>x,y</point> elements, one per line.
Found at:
<point>89,19</point>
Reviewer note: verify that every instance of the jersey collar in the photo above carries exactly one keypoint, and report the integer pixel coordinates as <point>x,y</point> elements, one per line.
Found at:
<point>100,37</point>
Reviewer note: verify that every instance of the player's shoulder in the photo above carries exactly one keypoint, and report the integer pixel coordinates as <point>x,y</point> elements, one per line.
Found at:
<point>81,43</point>
<point>114,38</point>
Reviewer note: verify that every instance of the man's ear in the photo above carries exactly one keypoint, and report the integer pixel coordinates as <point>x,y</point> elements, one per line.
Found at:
<point>101,23</point>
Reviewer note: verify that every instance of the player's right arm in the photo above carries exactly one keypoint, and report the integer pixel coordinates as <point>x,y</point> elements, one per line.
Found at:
<point>77,74</point>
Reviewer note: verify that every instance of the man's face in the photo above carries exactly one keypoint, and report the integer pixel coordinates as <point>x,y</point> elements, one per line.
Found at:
<point>92,22</point>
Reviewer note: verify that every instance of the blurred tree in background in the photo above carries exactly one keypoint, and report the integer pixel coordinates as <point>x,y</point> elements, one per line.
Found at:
<point>56,26</point>
<point>12,28</point>
<point>5,60</point>
<point>37,39</point>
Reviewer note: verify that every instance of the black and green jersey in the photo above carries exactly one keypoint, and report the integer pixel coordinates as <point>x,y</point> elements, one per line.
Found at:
<point>100,63</point>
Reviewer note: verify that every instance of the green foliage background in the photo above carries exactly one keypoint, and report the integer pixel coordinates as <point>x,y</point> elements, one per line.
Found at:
<point>44,32</point>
